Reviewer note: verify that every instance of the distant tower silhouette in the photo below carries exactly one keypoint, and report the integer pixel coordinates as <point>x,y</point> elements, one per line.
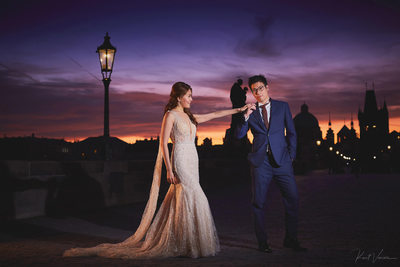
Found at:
<point>374,129</point>
<point>374,122</point>
<point>330,136</point>
<point>347,134</point>
<point>343,134</point>
<point>353,134</point>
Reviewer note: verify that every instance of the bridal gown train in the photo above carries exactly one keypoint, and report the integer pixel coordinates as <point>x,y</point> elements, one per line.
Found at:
<point>183,225</point>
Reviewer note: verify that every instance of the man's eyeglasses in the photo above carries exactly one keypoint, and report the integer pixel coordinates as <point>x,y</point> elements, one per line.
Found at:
<point>258,89</point>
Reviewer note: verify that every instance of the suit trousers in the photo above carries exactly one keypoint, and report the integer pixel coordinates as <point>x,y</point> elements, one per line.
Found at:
<point>284,177</point>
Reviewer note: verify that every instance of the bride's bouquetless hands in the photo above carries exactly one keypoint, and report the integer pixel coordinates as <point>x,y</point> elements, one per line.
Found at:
<point>171,178</point>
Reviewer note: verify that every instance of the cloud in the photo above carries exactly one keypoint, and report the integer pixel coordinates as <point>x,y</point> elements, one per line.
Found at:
<point>340,91</point>
<point>64,109</point>
<point>262,43</point>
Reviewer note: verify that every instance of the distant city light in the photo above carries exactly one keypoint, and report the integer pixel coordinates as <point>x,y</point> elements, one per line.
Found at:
<point>389,147</point>
<point>337,152</point>
<point>318,142</point>
<point>374,157</point>
<point>330,148</point>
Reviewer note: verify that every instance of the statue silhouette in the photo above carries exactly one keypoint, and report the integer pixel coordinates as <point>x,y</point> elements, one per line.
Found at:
<point>238,99</point>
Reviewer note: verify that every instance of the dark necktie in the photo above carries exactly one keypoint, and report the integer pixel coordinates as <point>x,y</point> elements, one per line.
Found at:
<point>265,115</point>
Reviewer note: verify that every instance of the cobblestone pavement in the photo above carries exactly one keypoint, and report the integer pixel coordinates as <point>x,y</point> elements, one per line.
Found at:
<point>344,221</point>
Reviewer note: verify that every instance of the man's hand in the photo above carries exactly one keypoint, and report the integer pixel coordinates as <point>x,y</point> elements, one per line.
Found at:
<point>250,109</point>
<point>245,107</point>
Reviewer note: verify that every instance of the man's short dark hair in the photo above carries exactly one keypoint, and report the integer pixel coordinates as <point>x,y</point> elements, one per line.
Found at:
<point>240,81</point>
<point>257,78</point>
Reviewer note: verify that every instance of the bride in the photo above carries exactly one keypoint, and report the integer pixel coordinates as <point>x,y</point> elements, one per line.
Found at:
<point>183,225</point>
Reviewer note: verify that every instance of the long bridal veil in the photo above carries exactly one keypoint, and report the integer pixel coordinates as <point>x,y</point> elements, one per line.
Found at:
<point>151,205</point>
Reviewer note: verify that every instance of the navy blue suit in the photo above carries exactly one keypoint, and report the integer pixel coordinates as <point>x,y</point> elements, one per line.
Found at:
<point>265,167</point>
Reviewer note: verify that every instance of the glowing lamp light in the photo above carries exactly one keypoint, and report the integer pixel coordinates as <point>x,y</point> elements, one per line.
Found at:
<point>318,142</point>
<point>106,56</point>
<point>337,152</point>
<point>374,157</point>
<point>330,148</point>
<point>389,147</point>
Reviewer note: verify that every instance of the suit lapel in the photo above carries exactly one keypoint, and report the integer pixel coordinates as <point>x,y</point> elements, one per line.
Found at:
<point>257,116</point>
<point>273,110</point>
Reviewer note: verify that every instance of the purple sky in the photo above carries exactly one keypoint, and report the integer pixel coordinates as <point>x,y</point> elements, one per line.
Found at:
<point>321,54</point>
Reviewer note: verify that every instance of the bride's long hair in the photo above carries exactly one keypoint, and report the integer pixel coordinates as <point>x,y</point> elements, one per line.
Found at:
<point>179,89</point>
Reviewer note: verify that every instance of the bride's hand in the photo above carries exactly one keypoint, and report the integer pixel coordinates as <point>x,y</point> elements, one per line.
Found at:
<point>250,109</point>
<point>245,107</point>
<point>171,178</point>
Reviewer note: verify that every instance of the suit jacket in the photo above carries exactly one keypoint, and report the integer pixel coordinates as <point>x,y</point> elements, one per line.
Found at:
<point>283,146</point>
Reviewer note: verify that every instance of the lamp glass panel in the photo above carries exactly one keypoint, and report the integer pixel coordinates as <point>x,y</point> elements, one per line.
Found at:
<point>110,59</point>
<point>103,59</point>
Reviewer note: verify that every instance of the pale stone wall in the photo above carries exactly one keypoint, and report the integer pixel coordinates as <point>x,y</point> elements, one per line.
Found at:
<point>31,202</point>
<point>121,182</point>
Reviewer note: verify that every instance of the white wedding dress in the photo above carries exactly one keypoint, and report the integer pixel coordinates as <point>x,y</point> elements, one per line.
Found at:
<point>183,225</point>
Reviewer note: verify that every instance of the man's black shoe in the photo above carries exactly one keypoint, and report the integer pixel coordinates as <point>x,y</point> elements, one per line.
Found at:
<point>294,244</point>
<point>265,248</point>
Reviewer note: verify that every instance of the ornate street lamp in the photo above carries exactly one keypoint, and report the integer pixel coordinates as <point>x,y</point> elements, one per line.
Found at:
<point>106,56</point>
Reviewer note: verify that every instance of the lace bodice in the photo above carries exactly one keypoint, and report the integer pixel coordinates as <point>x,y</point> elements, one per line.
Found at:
<point>183,131</point>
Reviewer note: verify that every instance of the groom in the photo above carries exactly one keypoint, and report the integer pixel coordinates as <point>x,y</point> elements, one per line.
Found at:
<point>271,159</point>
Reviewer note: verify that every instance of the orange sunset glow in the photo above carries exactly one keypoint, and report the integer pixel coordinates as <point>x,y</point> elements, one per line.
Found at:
<point>217,133</point>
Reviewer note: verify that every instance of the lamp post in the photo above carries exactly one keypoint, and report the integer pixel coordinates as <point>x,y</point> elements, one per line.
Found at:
<point>106,56</point>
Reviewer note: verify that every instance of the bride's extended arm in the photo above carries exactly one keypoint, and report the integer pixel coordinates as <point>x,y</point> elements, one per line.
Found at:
<point>166,128</point>
<point>200,118</point>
